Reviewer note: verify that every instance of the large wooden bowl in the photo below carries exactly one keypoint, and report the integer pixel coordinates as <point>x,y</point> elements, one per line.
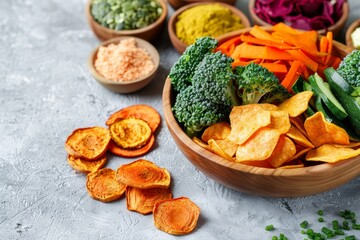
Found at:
<point>255,180</point>
<point>178,44</point>
<point>336,28</point>
<point>149,33</point>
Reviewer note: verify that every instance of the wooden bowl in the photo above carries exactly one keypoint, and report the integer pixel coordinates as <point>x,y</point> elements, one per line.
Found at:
<point>255,180</point>
<point>349,31</point>
<point>336,28</point>
<point>180,3</point>
<point>131,86</point>
<point>149,33</point>
<point>179,45</point>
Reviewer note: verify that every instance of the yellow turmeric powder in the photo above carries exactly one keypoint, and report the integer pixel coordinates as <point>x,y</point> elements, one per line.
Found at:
<point>206,20</point>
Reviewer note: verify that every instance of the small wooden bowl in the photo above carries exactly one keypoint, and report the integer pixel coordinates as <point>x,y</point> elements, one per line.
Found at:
<point>255,180</point>
<point>336,28</point>
<point>179,45</point>
<point>149,33</point>
<point>131,86</point>
<point>176,4</point>
<point>349,31</point>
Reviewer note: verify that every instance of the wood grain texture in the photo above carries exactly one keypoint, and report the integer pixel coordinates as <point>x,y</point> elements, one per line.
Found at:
<point>260,181</point>
<point>179,45</point>
<point>149,33</point>
<point>336,28</point>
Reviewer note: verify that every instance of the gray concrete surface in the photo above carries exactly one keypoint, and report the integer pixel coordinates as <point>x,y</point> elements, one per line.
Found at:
<point>46,92</point>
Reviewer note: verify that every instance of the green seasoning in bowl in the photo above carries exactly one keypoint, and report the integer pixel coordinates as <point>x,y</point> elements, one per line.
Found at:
<point>125,14</point>
<point>202,20</point>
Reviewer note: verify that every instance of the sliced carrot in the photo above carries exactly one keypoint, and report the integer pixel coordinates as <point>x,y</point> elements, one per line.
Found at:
<point>262,52</point>
<point>244,63</point>
<point>260,33</point>
<point>300,55</point>
<point>142,111</point>
<point>228,46</point>
<point>324,44</point>
<point>130,153</point>
<point>329,36</point>
<point>292,75</point>
<point>265,42</point>
<point>275,67</point>
<point>143,174</point>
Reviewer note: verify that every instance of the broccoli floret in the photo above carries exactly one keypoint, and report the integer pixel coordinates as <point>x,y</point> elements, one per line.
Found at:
<point>256,84</point>
<point>195,112</point>
<point>183,70</point>
<point>210,97</point>
<point>349,68</point>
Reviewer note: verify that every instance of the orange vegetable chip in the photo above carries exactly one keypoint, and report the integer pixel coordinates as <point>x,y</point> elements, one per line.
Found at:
<point>321,131</point>
<point>350,145</point>
<point>216,131</point>
<point>245,120</point>
<point>299,124</point>
<point>131,152</point>
<point>284,150</point>
<point>177,216</point>
<point>201,143</point>
<point>269,107</point>
<point>143,200</point>
<point>299,138</point>
<point>331,154</point>
<point>223,150</point>
<point>103,186</point>
<point>130,133</point>
<point>280,120</point>
<point>143,174</point>
<point>258,147</point>
<point>297,104</point>
<point>88,143</point>
<point>141,111</point>
<point>84,165</point>
<point>300,152</point>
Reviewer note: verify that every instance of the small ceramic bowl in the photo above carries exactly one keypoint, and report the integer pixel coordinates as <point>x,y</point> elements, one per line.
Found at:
<point>336,28</point>
<point>179,3</point>
<point>259,181</point>
<point>149,33</point>
<point>349,31</point>
<point>130,86</point>
<point>179,45</point>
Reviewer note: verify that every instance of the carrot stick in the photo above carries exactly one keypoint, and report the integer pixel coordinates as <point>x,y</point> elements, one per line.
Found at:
<point>275,67</point>
<point>260,33</point>
<point>292,75</point>
<point>329,36</point>
<point>324,44</point>
<point>244,63</point>
<point>228,46</point>
<point>264,42</point>
<point>300,55</point>
<point>262,52</point>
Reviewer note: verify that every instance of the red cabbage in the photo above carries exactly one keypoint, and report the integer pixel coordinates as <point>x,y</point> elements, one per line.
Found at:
<point>300,14</point>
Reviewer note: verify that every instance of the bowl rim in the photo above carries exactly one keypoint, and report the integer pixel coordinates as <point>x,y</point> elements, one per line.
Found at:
<point>172,21</point>
<point>155,57</point>
<point>355,24</point>
<point>340,22</point>
<point>160,19</point>
<point>172,123</point>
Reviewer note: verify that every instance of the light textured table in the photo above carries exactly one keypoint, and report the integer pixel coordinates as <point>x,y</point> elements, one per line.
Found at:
<point>46,92</point>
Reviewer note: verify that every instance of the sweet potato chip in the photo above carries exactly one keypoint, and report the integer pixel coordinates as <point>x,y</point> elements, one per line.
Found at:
<point>299,138</point>
<point>143,200</point>
<point>284,150</point>
<point>321,131</point>
<point>297,104</point>
<point>219,150</point>
<point>201,143</point>
<point>280,120</point>
<point>130,133</point>
<point>88,143</point>
<point>177,216</point>
<point>141,111</point>
<point>331,154</point>
<point>299,153</point>
<point>85,166</point>
<point>350,145</point>
<point>269,107</point>
<point>143,174</point>
<point>103,186</point>
<point>130,153</point>
<point>216,131</point>
<point>299,124</point>
<point>245,120</point>
<point>259,147</point>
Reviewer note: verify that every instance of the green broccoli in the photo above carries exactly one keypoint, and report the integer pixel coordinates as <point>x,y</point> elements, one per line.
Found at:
<point>183,70</point>
<point>210,97</point>
<point>256,84</point>
<point>349,69</point>
<point>195,112</point>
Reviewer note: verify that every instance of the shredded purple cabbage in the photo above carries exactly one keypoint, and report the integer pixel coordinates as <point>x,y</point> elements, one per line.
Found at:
<point>300,14</point>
